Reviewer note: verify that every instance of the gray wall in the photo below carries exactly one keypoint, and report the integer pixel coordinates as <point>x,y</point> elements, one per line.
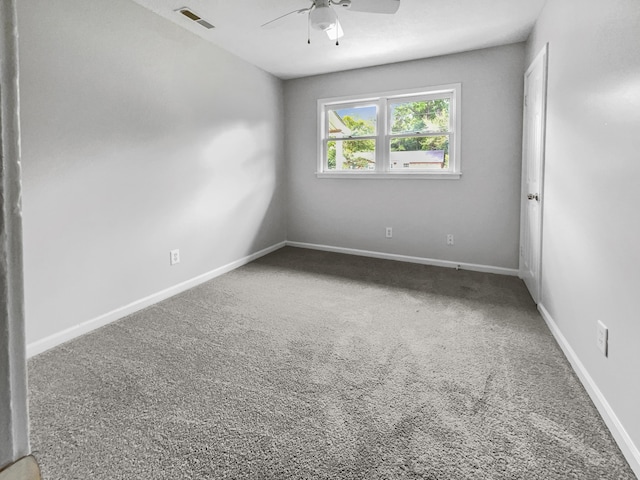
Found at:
<point>481,209</point>
<point>138,138</point>
<point>591,254</point>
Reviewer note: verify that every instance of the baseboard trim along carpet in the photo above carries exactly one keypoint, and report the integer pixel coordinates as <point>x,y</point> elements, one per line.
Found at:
<point>409,259</point>
<point>624,441</point>
<point>51,341</point>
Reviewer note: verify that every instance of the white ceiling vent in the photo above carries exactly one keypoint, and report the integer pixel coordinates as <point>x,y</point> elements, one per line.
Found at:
<point>195,17</point>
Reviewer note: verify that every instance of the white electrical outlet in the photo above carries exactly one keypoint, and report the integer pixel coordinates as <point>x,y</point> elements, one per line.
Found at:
<point>603,338</point>
<point>450,239</point>
<point>389,232</point>
<point>174,256</point>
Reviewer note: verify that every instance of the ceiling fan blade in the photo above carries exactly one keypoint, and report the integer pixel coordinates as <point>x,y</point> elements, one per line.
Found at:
<point>302,10</point>
<point>335,32</point>
<point>375,6</point>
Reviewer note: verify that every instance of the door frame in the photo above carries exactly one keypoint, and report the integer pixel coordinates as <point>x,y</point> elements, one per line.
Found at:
<point>543,58</point>
<point>14,418</point>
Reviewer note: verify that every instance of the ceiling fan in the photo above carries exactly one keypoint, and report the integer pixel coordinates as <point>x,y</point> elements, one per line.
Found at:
<point>322,16</point>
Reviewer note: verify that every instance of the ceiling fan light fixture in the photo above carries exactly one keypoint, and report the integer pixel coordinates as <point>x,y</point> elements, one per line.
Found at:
<point>322,18</point>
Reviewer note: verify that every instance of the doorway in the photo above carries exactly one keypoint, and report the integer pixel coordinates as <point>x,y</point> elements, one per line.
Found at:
<point>533,149</point>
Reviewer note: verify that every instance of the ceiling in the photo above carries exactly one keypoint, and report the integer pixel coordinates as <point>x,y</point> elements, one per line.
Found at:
<point>420,29</point>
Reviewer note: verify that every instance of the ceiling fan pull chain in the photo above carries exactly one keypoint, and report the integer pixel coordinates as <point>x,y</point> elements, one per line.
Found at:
<point>309,28</point>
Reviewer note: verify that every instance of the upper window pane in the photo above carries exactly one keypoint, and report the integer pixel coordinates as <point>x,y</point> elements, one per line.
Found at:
<point>352,122</point>
<point>424,116</point>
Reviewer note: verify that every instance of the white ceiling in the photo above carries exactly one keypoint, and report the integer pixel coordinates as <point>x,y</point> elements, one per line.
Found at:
<point>420,29</point>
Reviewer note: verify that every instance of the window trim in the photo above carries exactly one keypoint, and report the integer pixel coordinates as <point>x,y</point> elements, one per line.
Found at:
<point>383,136</point>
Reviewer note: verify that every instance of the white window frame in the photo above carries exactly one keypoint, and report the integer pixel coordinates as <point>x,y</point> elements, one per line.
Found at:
<point>383,137</point>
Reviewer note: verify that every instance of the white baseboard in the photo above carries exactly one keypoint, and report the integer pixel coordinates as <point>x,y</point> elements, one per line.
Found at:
<point>58,338</point>
<point>622,438</point>
<point>51,341</point>
<point>405,258</point>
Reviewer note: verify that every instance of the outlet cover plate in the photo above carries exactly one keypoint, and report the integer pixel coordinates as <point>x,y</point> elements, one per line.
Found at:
<point>603,338</point>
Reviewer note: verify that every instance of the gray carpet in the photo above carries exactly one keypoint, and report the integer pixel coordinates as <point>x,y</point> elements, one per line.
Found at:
<point>313,365</point>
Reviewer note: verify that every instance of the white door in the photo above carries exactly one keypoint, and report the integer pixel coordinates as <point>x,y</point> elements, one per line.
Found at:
<point>535,95</point>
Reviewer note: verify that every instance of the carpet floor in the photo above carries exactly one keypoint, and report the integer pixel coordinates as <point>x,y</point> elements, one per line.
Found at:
<point>315,365</point>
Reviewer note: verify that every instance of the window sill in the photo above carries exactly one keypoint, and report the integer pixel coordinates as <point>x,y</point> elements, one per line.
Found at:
<point>397,176</point>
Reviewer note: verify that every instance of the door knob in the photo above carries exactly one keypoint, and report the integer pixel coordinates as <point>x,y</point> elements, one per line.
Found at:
<point>533,196</point>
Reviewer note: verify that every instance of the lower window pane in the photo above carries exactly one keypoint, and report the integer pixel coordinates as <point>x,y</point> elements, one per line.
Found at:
<point>351,155</point>
<point>420,153</point>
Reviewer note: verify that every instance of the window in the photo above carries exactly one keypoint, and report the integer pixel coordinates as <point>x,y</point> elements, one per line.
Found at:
<point>409,134</point>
